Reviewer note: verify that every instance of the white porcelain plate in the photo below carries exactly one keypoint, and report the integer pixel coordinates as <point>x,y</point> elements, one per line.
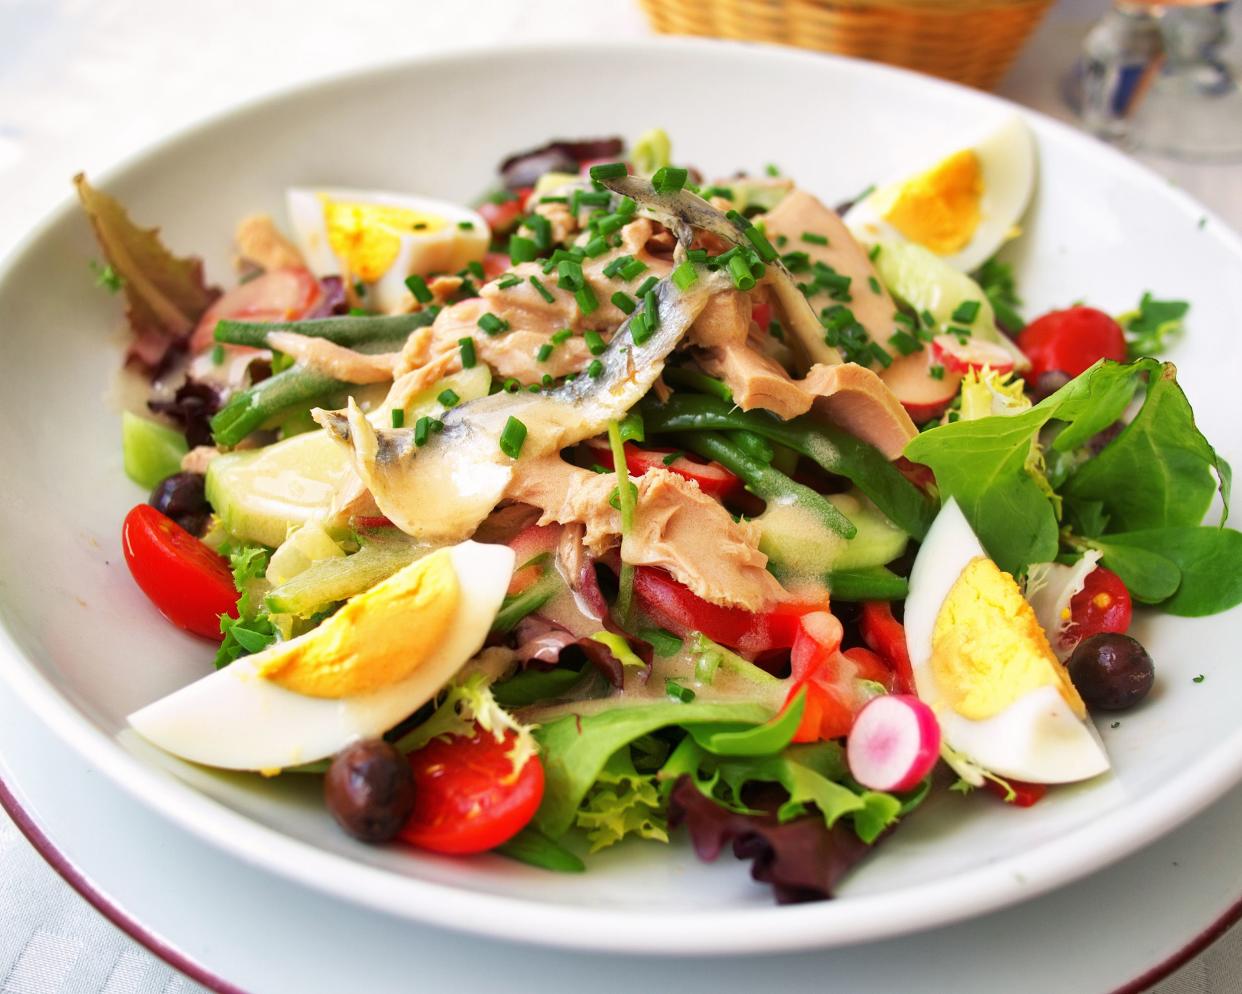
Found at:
<point>83,647</point>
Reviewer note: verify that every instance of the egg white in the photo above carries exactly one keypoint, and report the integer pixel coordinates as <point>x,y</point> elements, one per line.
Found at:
<point>235,719</point>
<point>1038,738</point>
<point>444,251</point>
<point>1007,165</point>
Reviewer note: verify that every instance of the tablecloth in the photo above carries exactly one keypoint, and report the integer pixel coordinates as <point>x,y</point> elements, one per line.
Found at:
<point>85,82</point>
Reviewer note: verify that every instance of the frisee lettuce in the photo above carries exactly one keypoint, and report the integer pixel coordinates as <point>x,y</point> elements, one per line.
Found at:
<point>620,803</point>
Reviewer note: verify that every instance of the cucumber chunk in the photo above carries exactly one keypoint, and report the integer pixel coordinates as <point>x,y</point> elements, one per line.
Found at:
<point>798,546</point>
<point>327,581</point>
<point>151,451</point>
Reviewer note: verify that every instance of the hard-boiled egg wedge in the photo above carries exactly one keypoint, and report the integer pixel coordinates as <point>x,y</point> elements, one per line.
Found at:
<point>963,208</point>
<point>377,660</point>
<point>1004,701</point>
<point>379,239</point>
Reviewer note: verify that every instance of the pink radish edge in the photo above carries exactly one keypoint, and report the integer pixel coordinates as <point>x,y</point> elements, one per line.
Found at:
<point>960,357</point>
<point>894,743</point>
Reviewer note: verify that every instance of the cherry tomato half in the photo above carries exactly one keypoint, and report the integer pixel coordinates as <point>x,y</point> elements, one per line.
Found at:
<point>712,478</point>
<point>1071,341</point>
<point>187,581</point>
<point>886,636</point>
<point>279,295</point>
<point>1103,605</point>
<point>465,797</point>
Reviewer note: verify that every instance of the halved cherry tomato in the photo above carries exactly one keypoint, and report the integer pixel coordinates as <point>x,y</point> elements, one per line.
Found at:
<point>187,581</point>
<point>466,799</point>
<point>279,295</point>
<point>1103,605</point>
<point>677,608</point>
<point>1024,794</point>
<point>495,263</point>
<point>886,636</point>
<point>503,217</point>
<point>712,478</point>
<point>1070,341</point>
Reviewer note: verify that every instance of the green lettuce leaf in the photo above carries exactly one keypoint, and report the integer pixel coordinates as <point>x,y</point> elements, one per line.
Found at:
<point>622,802</point>
<point>1204,561</point>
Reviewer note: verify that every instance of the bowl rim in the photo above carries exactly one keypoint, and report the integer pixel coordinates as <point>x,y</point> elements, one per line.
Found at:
<point>855,919</point>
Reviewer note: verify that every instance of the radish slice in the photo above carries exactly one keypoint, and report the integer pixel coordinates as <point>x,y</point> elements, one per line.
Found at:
<point>894,743</point>
<point>961,357</point>
<point>922,395</point>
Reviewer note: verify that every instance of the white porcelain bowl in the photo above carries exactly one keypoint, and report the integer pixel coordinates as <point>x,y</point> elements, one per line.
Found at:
<point>83,647</point>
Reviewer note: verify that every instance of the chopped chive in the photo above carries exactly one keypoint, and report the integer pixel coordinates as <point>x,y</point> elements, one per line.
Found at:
<point>569,275</point>
<point>522,249</point>
<point>596,246</point>
<point>771,169</point>
<point>646,286</point>
<point>669,179</point>
<point>737,220</point>
<point>466,225</point>
<point>509,281</point>
<point>217,355</point>
<point>781,241</point>
<point>874,284</point>
<point>541,228</point>
<point>609,170</point>
<point>927,318</point>
<point>874,253</point>
<point>418,286</point>
<point>685,275</point>
<point>671,458</point>
<point>796,262</point>
<point>624,301</point>
<point>594,368</point>
<point>398,417</point>
<point>936,372</point>
<point>533,388</point>
<point>904,342</point>
<point>449,398</point>
<point>901,317</point>
<point>547,380</point>
<point>632,269</point>
<point>422,430</point>
<point>475,269</point>
<point>697,255</point>
<point>627,206</point>
<point>762,246</point>
<point>960,333</point>
<point>813,239</point>
<point>469,358</point>
<point>586,299</point>
<point>590,198</point>
<point>544,353</point>
<point>553,200</point>
<point>882,357</point>
<point>677,692</point>
<point>653,308</point>
<point>595,343</point>
<point>640,327</point>
<point>510,385</point>
<point>612,224</point>
<point>544,292</point>
<point>739,270</point>
<point>492,324</point>
<point>512,437</point>
<point>564,335</point>
<point>716,191</point>
<point>615,265</point>
<point>966,311</point>
<point>360,288</point>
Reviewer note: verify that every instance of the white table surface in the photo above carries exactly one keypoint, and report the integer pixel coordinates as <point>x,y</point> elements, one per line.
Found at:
<point>84,83</point>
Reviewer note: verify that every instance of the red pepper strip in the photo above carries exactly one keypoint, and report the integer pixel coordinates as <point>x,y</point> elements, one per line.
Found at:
<point>712,478</point>
<point>818,665</point>
<point>677,608</point>
<point>887,636</point>
<point>1024,794</point>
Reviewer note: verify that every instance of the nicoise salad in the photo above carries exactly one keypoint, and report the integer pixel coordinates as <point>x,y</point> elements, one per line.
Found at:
<point>630,501</point>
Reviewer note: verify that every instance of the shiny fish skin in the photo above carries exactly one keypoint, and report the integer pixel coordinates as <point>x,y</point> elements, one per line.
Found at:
<point>444,489</point>
<point>684,210</point>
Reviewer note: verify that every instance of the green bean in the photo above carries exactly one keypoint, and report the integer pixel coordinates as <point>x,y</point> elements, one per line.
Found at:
<point>872,583</point>
<point>691,379</point>
<point>766,482</point>
<point>249,409</point>
<point>834,449</point>
<point>518,606</point>
<point>755,446</point>
<point>349,331</point>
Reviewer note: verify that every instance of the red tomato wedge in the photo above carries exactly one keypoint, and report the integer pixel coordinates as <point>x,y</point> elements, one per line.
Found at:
<point>466,799</point>
<point>712,478</point>
<point>503,217</point>
<point>820,668</point>
<point>675,607</point>
<point>1070,341</point>
<point>530,543</point>
<point>281,295</point>
<point>1103,605</point>
<point>187,581</point>
<point>886,636</point>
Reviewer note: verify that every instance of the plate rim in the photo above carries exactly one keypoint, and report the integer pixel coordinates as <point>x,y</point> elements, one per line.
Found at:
<point>733,931</point>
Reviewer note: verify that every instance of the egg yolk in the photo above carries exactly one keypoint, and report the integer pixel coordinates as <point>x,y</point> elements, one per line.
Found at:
<point>940,208</point>
<point>367,237</point>
<point>988,649</point>
<point>376,639</point>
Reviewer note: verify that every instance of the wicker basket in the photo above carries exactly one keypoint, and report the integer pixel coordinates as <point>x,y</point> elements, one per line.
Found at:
<point>970,41</point>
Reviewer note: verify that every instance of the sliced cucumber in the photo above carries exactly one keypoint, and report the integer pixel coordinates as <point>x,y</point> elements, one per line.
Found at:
<point>923,281</point>
<point>797,546</point>
<point>327,581</point>
<point>151,451</point>
<point>260,494</point>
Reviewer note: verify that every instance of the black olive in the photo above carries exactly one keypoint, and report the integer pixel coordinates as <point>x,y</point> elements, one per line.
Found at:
<point>370,790</point>
<point>182,497</point>
<point>1046,384</point>
<point>1111,671</point>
